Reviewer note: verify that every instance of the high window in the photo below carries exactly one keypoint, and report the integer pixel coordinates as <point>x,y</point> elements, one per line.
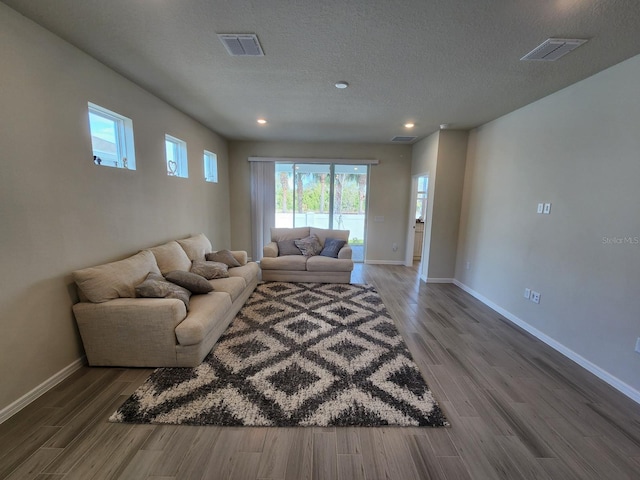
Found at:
<point>210,167</point>
<point>111,138</point>
<point>176,155</point>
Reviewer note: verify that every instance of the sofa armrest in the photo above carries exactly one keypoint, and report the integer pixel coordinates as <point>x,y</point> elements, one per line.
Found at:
<point>345,252</point>
<point>136,332</point>
<point>241,256</point>
<point>270,250</point>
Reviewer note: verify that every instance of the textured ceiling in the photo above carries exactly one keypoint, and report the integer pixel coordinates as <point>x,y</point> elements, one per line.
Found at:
<point>425,61</point>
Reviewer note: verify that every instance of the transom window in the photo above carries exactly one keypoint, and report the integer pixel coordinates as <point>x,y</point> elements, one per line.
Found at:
<point>176,151</point>
<point>111,138</point>
<point>210,167</point>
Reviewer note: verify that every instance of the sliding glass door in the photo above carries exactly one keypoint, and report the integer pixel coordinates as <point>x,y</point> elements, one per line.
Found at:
<point>323,195</point>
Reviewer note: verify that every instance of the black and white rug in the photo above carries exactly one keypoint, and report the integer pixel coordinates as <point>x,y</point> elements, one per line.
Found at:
<point>297,354</point>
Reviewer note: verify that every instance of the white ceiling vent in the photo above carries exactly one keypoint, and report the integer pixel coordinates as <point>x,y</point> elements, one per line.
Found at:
<point>241,44</point>
<point>553,48</point>
<point>402,139</point>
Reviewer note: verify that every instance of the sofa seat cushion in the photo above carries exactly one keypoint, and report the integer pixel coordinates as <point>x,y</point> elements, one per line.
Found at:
<point>204,313</point>
<point>196,247</point>
<point>234,286</point>
<point>328,264</point>
<point>248,272</point>
<point>117,279</point>
<point>288,262</point>
<point>170,256</point>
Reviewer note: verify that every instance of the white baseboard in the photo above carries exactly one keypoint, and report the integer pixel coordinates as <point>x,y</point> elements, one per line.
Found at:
<point>384,262</point>
<point>615,382</point>
<point>439,280</point>
<point>40,390</point>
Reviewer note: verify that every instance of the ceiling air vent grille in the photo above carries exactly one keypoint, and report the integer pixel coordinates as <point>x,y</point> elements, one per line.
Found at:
<point>402,139</point>
<point>241,44</point>
<point>553,48</point>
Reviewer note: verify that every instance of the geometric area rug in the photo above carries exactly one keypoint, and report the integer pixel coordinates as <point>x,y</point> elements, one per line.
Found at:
<point>297,354</point>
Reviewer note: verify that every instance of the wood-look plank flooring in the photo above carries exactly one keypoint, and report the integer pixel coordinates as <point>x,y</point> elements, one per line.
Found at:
<point>518,410</point>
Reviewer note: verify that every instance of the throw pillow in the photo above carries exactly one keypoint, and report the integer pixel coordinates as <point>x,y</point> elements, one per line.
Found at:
<point>191,281</point>
<point>223,256</point>
<point>155,286</point>
<point>331,247</point>
<point>288,247</point>
<point>210,270</point>
<point>309,246</point>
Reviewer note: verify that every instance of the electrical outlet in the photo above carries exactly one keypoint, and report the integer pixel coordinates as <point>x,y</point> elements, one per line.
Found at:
<point>527,292</point>
<point>394,247</point>
<point>468,265</point>
<point>540,207</point>
<point>638,345</point>
<point>547,209</point>
<point>535,297</point>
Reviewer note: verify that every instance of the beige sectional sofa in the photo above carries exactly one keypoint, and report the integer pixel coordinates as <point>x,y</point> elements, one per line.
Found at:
<point>279,266</point>
<point>120,329</point>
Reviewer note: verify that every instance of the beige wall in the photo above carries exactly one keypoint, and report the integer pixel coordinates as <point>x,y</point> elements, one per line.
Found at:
<point>388,189</point>
<point>59,212</point>
<point>442,157</point>
<point>579,150</point>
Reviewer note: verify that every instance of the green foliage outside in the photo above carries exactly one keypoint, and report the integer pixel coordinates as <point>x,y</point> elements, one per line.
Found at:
<point>315,195</point>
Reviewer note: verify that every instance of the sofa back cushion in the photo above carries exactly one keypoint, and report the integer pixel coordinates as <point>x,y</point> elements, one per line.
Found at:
<point>324,233</point>
<point>196,247</point>
<point>170,256</point>
<point>117,279</point>
<point>279,234</point>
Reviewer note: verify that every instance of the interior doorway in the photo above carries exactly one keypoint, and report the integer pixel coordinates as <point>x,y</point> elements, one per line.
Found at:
<point>417,220</point>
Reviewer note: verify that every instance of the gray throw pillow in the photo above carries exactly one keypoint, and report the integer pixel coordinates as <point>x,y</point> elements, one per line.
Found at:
<point>331,247</point>
<point>288,247</point>
<point>309,246</point>
<point>223,256</point>
<point>155,286</point>
<point>191,281</point>
<point>209,270</point>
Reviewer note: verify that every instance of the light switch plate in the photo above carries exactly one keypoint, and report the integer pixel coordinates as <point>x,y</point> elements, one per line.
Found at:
<point>547,209</point>
<point>540,207</point>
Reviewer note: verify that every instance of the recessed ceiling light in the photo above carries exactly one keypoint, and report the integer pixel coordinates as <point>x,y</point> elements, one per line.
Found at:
<point>444,126</point>
<point>409,125</point>
<point>262,121</point>
<point>341,84</point>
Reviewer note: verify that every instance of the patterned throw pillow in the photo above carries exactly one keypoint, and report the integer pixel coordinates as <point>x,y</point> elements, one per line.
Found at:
<point>331,247</point>
<point>223,256</point>
<point>210,270</point>
<point>191,281</point>
<point>309,246</point>
<point>155,286</point>
<point>288,247</point>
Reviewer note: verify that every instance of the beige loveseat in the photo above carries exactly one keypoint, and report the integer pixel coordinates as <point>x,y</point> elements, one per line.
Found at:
<point>279,265</point>
<point>120,329</point>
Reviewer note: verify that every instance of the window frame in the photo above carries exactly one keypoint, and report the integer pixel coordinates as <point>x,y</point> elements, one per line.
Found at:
<point>124,141</point>
<point>210,167</point>
<point>182,160</point>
